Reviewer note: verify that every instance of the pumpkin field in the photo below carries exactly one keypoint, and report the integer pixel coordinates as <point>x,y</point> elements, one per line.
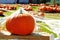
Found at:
<point>49,13</point>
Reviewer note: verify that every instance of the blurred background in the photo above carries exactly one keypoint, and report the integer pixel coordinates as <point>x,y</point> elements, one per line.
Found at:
<point>29,1</point>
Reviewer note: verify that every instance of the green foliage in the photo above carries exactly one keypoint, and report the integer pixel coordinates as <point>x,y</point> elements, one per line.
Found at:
<point>45,28</point>
<point>35,8</point>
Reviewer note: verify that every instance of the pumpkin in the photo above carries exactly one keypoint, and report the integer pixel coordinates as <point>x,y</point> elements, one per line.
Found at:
<point>10,7</point>
<point>1,6</point>
<point>23,24</point>
<point>41,14</point>
<point>49,9</point>
<point>43,8</point>
<point>42,4</point>
<point>1,12</point>
<point>28,8</point>
<point>33,4</point>
<point>58,10</point>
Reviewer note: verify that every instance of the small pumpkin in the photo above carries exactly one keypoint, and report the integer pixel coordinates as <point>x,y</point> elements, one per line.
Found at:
<point>10,7</point>
<point>1,6</point>
<point>43,8</point>
<point>28,8</point>
<point>49,9</point>
<point>23,24</point>
<point>41,14</point>
<point>1,12</point>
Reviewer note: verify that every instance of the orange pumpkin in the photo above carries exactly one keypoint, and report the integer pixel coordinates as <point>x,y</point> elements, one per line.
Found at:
<point>10,7</point>
<point>22,24</point>
<point>43,8</point>
<point>49,9</point>
<point>28,8</point>
<point>41,14</point>
<point>1,12</point>
<point>58,10</point>
<point>1,6</point>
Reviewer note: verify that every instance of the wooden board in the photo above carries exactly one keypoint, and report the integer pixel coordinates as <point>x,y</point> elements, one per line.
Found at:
<point>27,37</point>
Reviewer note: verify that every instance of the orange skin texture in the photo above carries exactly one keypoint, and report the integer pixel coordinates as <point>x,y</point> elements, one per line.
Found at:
<point>23,24</point>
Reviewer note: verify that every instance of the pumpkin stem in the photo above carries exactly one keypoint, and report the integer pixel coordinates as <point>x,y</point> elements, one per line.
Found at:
<point>21,11</point>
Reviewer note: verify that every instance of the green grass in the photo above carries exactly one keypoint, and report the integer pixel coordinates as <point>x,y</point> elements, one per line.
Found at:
<point>35,8</point>
<point>52,16</point>
<point>7,13</point>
